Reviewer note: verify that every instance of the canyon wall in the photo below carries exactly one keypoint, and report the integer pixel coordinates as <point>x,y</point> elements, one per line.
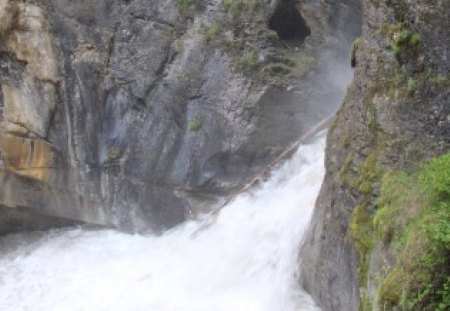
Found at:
<point>396,116</point>
<point>127,113</point>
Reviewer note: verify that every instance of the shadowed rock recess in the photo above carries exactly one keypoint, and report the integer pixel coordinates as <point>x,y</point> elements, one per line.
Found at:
<point>123,113</point>
<point>395,117</point>
<point>288,22</point>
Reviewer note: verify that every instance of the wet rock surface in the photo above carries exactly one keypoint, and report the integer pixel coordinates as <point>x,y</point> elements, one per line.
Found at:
<point>115,112</point>
<point>395,116</point>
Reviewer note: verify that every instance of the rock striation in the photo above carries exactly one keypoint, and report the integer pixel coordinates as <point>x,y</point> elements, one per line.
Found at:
<point>123,113</point>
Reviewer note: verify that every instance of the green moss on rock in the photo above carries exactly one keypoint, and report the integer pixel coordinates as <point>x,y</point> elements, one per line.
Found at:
<point>414,221</point>
<point>361,230</point>
<point>213,32</point>
<point>196,124</point>
<point>184,5</point>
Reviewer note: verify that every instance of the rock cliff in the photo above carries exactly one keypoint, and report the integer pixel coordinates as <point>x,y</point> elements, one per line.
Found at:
<point>123,113</point>
<point>395,117</point>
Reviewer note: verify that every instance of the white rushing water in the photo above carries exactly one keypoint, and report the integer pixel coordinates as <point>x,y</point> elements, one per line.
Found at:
<point>246,260</point>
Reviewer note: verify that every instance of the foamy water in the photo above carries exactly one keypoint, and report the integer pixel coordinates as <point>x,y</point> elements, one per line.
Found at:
<point>246,260</point>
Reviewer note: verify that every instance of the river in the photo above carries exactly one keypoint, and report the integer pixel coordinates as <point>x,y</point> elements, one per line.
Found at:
<point>247,259</point>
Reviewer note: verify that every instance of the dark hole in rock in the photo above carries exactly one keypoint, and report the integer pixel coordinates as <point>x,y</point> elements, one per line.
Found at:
<point>288,22</point>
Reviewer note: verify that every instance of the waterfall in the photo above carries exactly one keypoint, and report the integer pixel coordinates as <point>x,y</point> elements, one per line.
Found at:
<point>246,260</point>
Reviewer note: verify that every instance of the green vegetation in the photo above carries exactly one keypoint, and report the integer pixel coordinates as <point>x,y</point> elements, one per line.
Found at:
<point>355,46</point>
<point>440,78</point>
<point>235,5</point>
<point>414,39</point>
<point>365,304</point>
<point>258,51</point>
<point>248,62</point>
<point>196,124</point>
<point>228,4</point>
<point>402,37</point>
<point>413,219</point>
<point>344,171</point>
<point>183,5</point>
<point>441,81</point>
<point>213,32</point>
<point>361,230</point>
<point>289,65</point>
<point>389,30</point>
<point>113,153</point>
<point>395,82</point>
<point>361,222</point>
<point>368,173</point>
<point>411,85</point>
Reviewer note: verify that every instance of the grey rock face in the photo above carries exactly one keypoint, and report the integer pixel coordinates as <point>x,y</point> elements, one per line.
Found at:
<point>395,115</point>
<point>118,112</point>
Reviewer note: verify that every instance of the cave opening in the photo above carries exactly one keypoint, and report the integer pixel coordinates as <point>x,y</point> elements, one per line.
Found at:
<point>289,23</point>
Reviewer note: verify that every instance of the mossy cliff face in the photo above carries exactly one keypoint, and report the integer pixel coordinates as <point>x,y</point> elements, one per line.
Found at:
<point>396,116</point>
<point>121,113</point>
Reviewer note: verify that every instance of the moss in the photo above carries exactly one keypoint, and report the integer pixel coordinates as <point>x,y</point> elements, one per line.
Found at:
<point>228,4</point>
<point>113,153</point>
<point>393,82</point>
<point>368,173</point>
<point>273,36</point>
<point>365,188</point>
<point>333,126</point>
<point>290,65</point>
<point>213,32</point>
<point>411,85</point>
<point>299,61</point>
<point>248,62</point>
<point>234,6</point>
<point>345,169</point>
<point>391,290</point>
<point>276,68</point>
<point>414,221</point>
<point>361,226</point>
<point>441,81</point>
<point>440,78</point>
<point>247,32</point>
<point>396,49</point>
<point>196,124</point>
<point>365,304</point>
<point>355,46</point>
<point>388,30</point>
<point>179,45</point>
<point>183,5</point>
<point>403,40</point>
<point>397,190</point>
<point>361,231</point>
<point>404,43</point>
<point>414,40</point>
